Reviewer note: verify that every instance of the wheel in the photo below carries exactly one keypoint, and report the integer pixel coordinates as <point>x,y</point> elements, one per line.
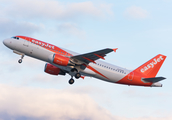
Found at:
<point>20,60</point>
<point>71,81</point>
<point>77,75</point>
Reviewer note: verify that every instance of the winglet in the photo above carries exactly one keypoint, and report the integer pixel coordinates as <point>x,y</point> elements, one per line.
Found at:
<point>115,49</point>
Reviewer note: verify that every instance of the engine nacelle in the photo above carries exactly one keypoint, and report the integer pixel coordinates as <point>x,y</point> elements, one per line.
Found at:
<point>51,69</point>
<point>59,60</point>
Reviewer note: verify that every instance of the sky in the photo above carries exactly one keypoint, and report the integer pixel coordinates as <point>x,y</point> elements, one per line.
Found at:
<point>139,29</point>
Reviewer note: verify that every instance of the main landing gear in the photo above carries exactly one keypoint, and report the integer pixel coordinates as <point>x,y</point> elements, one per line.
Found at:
<point>74,72</point>
<point>71,81</point>
<point>20,60</point>
<point>77,75</point>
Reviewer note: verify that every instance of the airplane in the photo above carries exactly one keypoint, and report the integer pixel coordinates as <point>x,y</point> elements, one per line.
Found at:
<point>61,61</point>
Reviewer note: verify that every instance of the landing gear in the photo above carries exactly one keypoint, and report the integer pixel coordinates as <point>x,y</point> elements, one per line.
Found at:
<point>74,72</point>
<point>77,75</point>
<point>71,81</point>
<point>20,60</point>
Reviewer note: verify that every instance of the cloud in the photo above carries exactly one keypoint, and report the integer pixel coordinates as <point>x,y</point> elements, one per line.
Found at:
<point>133,93</point>
<point>11,28</point>
<point>151,118</point>
<point>145,118</point>
<point>24,17</point>
<point>52,104</point>
<point>10,63</point>
<point>36,9</point>
<point>71,29</point>
<point>135,12</point>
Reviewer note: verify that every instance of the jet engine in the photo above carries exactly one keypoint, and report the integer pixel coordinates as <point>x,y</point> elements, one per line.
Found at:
<point>51,69</point>
<point>59,60</point>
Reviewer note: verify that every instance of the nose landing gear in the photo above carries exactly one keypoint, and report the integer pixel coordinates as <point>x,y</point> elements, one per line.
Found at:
<point>20,60</point>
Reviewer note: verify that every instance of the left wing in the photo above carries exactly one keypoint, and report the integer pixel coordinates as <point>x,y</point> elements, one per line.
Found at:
<point>91,57</point>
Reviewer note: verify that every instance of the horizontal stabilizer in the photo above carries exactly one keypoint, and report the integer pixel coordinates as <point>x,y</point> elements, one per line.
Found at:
<point>154,80</point>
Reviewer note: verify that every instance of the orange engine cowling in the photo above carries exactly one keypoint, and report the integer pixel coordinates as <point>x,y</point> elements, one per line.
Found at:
<point>60,60</point>
<point>51,69</point>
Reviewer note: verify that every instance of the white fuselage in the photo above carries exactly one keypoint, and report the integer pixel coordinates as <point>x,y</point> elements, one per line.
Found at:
<point>100,70</point>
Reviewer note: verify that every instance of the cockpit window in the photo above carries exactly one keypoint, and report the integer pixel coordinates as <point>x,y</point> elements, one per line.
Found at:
<point>16,38</point>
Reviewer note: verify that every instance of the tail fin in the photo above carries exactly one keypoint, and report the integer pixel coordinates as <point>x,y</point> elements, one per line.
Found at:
<point>151,68</point>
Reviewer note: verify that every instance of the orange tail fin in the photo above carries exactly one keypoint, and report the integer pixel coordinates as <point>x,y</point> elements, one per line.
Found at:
<point>151,68</point>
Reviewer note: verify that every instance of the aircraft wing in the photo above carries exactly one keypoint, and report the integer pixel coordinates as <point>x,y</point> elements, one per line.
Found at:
<point>92,56</point>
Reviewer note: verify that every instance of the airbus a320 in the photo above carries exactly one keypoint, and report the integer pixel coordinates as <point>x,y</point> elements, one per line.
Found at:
<point>60,61</point>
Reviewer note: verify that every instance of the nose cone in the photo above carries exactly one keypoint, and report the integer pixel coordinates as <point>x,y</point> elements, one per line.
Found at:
<point>5,42</point>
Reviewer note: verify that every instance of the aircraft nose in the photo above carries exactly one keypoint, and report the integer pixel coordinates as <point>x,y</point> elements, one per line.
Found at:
<point>5,42</point>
